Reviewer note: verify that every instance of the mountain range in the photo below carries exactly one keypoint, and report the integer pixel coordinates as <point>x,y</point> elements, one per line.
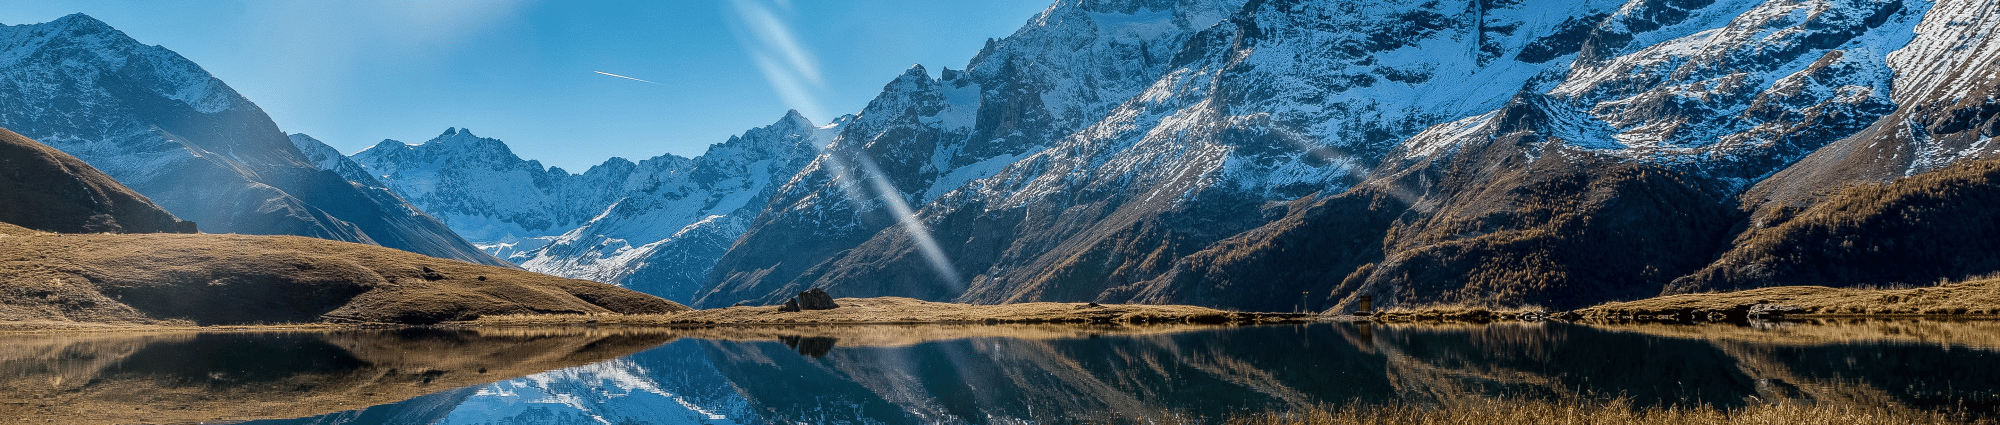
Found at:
<point>1282,155</point>
<point>1246,154</point>
<point>656,226</point>
<point>161,125</point>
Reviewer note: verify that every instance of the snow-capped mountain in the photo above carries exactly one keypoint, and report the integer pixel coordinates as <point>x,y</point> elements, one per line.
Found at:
<point>160,124</point>
<point>656,225</point>
<point>1630,170</point>
<point>1257,103</point>
<point>925,137</point>
<point>1290,154</point>
<point>1259,155</point>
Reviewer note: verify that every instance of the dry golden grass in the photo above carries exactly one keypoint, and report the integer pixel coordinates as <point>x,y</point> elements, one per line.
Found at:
<point>198,279</point>
<point>12,230</point>
<point>898,310</point>
<point>1612,412</point>
<point>1977,297</point>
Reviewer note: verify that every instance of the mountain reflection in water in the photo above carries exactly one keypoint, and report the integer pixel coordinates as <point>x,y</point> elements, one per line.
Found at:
<point>982,374</point>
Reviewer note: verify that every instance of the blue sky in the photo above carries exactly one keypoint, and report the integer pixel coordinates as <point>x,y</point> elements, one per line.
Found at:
<point>354,72</point>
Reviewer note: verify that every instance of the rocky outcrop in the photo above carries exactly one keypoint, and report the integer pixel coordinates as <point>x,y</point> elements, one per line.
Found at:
<point>811,299</point>
<point>816,299</point>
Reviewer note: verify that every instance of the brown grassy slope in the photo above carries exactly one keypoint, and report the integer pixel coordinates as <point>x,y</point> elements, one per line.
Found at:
<point>1919,229</point>
<point>1555,234</point>
<point>240,279</point>
<point>1971,297</point>
<point>44,189</point>
<point>1297,262</point>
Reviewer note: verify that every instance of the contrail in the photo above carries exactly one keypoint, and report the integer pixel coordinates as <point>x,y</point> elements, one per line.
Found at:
<point>625,77</point>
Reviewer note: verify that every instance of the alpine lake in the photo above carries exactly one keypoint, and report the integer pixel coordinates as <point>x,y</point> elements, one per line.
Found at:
<point>1015,374</point>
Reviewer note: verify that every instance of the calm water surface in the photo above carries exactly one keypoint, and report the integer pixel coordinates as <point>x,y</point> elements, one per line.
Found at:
<point>974,374</point>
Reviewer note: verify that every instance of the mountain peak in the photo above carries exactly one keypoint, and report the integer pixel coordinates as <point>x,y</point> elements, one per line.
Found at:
<point>793,116</point>
<point>389,144</point>
<point>82,22</point>
<point>915,79</point>
<point>456,134</point>
<point>915,71</point>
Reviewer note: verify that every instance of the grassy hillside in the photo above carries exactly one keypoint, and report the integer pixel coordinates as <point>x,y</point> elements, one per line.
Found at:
<point>42,188</point>
<point>1973,297</point>
<point>1561,235</point>
<point>239,279</point>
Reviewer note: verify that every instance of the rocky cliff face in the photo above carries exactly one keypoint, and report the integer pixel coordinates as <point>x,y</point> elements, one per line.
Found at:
<point>655,226</point>
<point>169,130</point>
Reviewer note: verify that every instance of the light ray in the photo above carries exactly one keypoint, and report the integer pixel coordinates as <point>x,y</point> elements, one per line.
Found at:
<point>793,72</point>
<point>625,77</point>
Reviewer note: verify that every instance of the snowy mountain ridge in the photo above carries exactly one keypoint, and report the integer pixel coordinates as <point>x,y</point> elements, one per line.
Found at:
<point>1266,155</point>
<point>653,225</point>
<point>1130,179</point>
<point>161,125</point>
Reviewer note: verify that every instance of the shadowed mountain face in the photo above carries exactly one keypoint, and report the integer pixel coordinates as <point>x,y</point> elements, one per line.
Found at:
<point>44,189</point>
<point>164,127</point>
